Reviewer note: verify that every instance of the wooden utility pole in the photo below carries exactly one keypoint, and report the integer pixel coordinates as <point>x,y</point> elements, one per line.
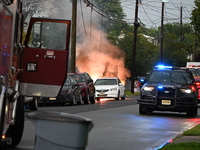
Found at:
<point>162,33</point>
<point>73,37</point>
<point>136,25</point>
<point>181,24</point>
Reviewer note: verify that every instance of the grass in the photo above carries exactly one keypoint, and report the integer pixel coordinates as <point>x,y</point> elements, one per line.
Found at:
<point>129,94</point>
<point>195,131</point>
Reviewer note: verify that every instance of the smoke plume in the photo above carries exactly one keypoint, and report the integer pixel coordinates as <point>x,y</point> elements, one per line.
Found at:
<point>98,57</point>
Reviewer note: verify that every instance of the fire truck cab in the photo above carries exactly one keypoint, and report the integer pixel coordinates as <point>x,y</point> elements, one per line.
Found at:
<point>35,68</point>
<point>194,67</point>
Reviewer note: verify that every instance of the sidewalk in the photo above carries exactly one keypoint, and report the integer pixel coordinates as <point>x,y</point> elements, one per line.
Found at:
<point>185,139</point>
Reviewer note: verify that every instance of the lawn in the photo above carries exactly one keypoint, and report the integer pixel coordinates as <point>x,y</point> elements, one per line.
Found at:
<point>185,146</point>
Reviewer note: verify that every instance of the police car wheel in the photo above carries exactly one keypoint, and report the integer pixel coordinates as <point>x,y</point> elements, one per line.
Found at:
<point>142,110</point>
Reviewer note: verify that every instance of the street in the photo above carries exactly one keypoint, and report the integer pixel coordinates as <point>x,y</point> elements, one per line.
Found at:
<point>118,125</point>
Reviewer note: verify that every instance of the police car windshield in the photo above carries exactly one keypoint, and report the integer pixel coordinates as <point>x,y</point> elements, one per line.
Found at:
<point>170,77</point>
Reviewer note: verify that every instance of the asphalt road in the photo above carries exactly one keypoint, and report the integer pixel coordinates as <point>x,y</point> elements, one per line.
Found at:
<point>118,125</point>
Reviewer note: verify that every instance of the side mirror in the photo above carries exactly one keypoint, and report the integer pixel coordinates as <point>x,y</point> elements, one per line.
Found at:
<point>142,81</point>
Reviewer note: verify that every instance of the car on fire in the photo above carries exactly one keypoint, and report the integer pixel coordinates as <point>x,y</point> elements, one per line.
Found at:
<point>168,88</point>
<point>87,86</point>
<point>109,88</point>
<point>69,94</point>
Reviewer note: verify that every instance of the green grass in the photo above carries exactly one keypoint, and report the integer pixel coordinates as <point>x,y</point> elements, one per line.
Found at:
<point>182,146</point>
<point>193,131</point>
<point>128,93</point>
<point>185,146</point>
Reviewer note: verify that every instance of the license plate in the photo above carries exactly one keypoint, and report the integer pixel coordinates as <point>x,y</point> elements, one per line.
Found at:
<point>166,102</point>
<point>101,94</point>
<point>52,99</point>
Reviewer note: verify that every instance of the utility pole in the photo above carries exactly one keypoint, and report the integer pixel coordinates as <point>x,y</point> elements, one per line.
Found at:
<point>181,24</point>
<point>162,33</point>
<point>136,25</point>
<point>73,37</point>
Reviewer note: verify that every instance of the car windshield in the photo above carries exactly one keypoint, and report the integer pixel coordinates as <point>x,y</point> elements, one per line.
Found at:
<point>170,77</point>
<point>106,82</point>
<point>67,82</point>
<point>78,77</point>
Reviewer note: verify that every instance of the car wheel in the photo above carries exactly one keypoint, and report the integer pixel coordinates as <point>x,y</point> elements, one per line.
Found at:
<point>123,97</point>
<point>92,99</point>
<point>34,104</point>
<point>15,131</point>
<point>73,101</point>
<point>142,110</point>
<point>192,112</point>
<point>80,99</point>
<point>87,99</point>
<point>117,98</point>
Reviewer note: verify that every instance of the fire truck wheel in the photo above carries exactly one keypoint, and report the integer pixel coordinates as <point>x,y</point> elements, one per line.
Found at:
<point>15,131</point>
<point>2,120</point>
<point>34,104</point>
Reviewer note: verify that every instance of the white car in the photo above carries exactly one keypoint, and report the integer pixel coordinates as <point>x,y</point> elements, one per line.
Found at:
<point>109,88</point>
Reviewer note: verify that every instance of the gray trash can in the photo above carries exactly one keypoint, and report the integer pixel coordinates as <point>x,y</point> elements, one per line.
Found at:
<point>60,131</point>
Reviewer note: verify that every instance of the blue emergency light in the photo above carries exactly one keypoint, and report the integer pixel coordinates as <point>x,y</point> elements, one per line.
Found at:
<point>160,86</point>
<point>163,67</point>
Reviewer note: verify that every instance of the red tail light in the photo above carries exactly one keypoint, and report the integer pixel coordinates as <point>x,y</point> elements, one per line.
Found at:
<point>193,88</point>
<point>197,83</point>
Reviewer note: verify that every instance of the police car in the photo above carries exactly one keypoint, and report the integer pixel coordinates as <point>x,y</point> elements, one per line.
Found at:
<point>167,88</point>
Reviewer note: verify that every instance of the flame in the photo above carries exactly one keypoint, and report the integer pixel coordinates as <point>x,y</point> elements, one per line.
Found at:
<point>100,58</point>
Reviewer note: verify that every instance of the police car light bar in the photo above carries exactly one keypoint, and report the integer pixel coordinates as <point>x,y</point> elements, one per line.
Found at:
<point>163,67</point>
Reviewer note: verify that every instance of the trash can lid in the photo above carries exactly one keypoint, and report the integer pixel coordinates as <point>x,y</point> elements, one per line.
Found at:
<point>59,116</point>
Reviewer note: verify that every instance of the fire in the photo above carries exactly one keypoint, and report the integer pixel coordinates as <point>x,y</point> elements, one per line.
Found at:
<point>100,58</point>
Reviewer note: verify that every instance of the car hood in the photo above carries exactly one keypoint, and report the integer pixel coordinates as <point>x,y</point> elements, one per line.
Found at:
<point>105,86</point>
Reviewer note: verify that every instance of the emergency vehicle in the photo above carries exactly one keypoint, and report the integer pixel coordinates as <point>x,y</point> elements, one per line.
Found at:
<point>36,68</point>
<point>168,88</point>
<point>194,67</point>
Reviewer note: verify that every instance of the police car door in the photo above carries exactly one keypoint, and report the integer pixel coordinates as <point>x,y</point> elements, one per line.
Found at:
<point>45,57</point>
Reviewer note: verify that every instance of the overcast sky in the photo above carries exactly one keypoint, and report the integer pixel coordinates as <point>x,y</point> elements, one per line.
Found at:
<point>149,11</point>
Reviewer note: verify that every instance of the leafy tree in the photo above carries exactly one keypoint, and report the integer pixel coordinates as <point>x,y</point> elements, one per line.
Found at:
<point>176,49</point>
<point>195,17</point>
<point>146,53</point>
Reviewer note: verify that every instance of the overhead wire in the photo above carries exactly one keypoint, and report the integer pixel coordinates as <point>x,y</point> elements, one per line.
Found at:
<point>83,18</point>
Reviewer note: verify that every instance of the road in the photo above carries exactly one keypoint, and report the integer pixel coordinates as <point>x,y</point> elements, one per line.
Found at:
<point>118,125</point>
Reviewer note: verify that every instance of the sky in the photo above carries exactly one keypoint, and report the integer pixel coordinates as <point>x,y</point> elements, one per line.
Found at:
<point>149,11</point>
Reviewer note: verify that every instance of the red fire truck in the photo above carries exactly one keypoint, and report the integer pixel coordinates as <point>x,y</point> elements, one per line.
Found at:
<point>36,68</point>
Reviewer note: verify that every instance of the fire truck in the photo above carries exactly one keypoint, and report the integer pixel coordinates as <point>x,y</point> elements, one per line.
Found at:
<point>194,67</point>
<point>36,67</point>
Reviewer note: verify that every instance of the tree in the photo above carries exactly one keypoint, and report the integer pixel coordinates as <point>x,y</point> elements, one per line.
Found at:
<point>195,18</point>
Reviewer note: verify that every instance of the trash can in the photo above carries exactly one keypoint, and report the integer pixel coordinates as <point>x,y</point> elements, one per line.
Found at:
<point>60,131</point>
